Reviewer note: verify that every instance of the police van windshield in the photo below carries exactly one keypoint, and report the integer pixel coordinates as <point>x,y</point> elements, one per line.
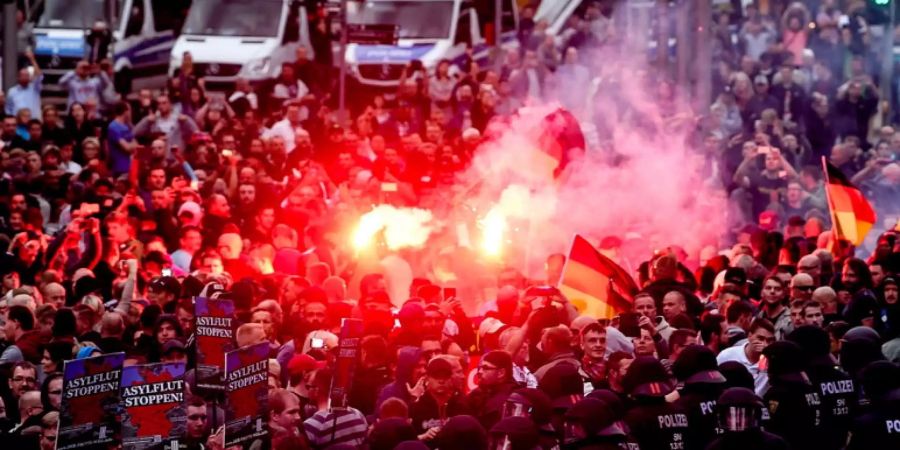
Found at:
<point>415,19</point>
<point>79,14</point>
<point>234,18</point>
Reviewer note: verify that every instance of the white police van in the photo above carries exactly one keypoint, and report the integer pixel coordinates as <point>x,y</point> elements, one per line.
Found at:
<point>142,35</point>
<point>428,31</point>
<point>250,39</point>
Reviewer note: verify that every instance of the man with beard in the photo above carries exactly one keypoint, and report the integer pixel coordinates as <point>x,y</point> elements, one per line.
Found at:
<point>857,279</point>
<point>495,384</point>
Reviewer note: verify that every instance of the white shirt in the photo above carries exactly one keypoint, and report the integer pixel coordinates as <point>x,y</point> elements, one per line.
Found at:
<point>737,353</point>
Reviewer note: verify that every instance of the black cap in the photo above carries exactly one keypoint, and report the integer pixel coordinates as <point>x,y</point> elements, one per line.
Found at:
<point>739,397</point>
<point>697,364</point>
<point>439,368</point>
<point>735,275</point>
<point>165,284</point>
<point>647,377</point>
<point>786,361</point>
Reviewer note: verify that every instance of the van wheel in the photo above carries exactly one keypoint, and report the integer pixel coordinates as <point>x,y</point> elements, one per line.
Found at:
<point>123,82</point>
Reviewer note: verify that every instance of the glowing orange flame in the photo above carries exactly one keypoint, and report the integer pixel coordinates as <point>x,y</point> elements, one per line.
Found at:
<point>402,227</point>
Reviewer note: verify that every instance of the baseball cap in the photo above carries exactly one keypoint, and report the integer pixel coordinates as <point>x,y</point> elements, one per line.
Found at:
<point>165,284</point>
<point>439,368</point>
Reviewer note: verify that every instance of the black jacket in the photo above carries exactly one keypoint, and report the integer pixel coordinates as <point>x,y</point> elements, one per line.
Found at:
<point>795,414</point>
<point>840,402</point>
<point>657,425</point>
<point>699,400</point>
<point>426,413</point>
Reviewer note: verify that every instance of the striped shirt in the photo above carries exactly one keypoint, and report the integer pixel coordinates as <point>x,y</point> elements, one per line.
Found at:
<point>338,426</point>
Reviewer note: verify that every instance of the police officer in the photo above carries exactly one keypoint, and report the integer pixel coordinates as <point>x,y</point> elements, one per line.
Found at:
<point>535,405</point>
<point>591,424</point>
<point>837,390</point>
<point>879,427</point>
<point>702,383</point>
<point>795,407</point>
<point>514,433</point>
<point>740,412</point>
<point>653,422</point>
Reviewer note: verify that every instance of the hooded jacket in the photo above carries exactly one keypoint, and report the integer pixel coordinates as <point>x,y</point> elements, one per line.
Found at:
<point>407,359</point>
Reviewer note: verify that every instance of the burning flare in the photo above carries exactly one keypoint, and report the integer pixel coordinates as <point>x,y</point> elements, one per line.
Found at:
<point>402,227</point>
<point>493,226</point>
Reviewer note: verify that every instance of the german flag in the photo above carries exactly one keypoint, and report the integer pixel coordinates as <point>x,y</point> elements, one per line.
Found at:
<point>851,214</point>
<point>595,284</point>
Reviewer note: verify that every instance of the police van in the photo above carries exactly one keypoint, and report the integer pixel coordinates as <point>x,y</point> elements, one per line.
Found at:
<point>141,36</point>
<point>428,31</point>
<point>250,39</point>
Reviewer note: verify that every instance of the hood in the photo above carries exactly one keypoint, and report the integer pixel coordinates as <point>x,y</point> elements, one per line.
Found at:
<point>406,362</point>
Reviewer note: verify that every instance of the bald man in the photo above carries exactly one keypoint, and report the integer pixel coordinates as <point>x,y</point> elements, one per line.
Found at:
<point>826,297</point>
<point>54,294</point>
<point>673,304</point>
<point>250,334</point>
<point>812,266</point>
<point>802,287</point>
<point>30,409</point>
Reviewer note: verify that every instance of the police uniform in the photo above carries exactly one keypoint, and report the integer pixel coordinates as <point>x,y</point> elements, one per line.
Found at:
<point>740,412</point>
<point>654,423</point>
<point>600,428</point>
<point>837,391</point>
<point>703,384</point>
<point>794,405</point>
<point>880,428</point>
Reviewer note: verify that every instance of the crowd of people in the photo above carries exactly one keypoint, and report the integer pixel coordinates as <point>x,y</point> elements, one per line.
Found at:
<point>118,210</point>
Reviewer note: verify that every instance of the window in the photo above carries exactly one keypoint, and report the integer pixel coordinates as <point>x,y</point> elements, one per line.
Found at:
<point>135,20</point>
<point>464,28</point>
<point>168,14</point>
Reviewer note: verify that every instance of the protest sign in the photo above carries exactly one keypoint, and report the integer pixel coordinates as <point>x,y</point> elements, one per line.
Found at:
<point>88,417</point>
<point>153,402</point>
<point>247,392</point>
<point>348,349</point>
<point>214,334</point>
